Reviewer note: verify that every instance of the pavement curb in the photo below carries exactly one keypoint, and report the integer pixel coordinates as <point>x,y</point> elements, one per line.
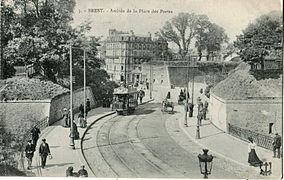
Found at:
<point>84,134</point>
<point>214,152</point>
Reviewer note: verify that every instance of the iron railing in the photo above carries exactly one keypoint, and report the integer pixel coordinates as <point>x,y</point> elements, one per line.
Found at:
<point>260,139</point>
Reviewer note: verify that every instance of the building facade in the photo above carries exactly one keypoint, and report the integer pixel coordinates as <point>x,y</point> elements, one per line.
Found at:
<point>125,53</point>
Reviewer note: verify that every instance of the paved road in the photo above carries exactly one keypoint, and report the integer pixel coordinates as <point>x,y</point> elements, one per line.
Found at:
<point>147,144</point>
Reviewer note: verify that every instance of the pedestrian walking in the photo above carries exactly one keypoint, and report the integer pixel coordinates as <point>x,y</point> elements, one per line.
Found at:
<point>276,145</point>
<point>141,95</point>
<point>169,95</point>
<point>75,132</point>
<point>65,117</point>
<point>29,151</point>
<point>35,135</point>
<point>199,118</point>
<point>190,109</point>
<point>81,120</point>
<point>253,159</point>
<point>88,106</point>
<point>81,109</point>
<point>44,151</point>
<point>83,172</point>
<point>201,91</point>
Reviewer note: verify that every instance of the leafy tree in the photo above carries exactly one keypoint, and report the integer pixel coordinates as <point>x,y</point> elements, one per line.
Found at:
<point>215,37</point>
<point>260,38</point>
<point>42,28</point>
<point>180,30</point>
<point>202,29</point>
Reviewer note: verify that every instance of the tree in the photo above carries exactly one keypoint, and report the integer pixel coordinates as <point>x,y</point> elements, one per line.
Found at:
<point>260,38</point>
<point>42,29</point>
<point>202,29</point>
<point>180,30</point>
<point>215,37</point>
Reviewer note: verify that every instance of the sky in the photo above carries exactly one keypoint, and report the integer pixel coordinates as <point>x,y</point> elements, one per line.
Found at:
<point>232,15</point>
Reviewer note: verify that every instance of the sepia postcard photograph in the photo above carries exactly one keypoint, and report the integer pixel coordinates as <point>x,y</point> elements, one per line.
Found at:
<point>179,89</point>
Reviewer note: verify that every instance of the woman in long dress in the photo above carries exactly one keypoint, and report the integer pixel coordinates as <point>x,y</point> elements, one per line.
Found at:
<point>253,159</point>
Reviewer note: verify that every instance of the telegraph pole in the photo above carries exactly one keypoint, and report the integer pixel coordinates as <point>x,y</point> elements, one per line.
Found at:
<point>2,62</point>
<point>72,144</point>
<point>85,85</point>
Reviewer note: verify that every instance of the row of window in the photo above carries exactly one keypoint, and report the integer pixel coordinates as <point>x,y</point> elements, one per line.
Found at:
<point>109,67</point>
<point>111,46</point>
<point>130,38</point>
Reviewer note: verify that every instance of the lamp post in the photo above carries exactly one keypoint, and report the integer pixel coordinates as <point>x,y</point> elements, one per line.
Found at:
<point>72,144</point>
<point>151,80</point>
<point>205,163</point>
<point>186,95</point>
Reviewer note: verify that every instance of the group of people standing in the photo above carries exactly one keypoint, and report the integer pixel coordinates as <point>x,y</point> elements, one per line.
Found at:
<point>81,121</point>
<point>44,150</point>
<point>202,107</point>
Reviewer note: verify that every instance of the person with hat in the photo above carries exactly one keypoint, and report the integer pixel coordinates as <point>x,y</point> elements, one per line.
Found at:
<point>253,159</point>
<point>29,151</point>
<point>83,172</point>
<point>35,135</point>
<point>44,151</point>
<point>276,145</point>
<point>65,117</point>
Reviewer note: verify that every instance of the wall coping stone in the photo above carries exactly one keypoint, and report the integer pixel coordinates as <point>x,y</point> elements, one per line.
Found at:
<point>253,100</point>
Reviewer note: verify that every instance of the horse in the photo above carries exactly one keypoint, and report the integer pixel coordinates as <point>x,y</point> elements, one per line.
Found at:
<point>165,104</point>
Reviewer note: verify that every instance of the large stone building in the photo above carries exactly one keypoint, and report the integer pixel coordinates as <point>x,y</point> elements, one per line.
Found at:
<point>124,53</point>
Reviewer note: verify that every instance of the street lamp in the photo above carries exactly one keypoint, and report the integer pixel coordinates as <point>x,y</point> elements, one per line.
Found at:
<point>205,163</point>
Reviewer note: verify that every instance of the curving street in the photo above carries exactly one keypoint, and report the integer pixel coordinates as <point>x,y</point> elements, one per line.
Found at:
<point>147,144</point>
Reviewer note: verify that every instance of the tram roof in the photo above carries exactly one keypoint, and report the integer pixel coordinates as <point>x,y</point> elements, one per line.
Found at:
<point>123,90</point>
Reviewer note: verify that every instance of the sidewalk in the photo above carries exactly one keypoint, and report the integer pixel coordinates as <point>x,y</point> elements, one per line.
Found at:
<point>226,146</point>
<point>63,156</point>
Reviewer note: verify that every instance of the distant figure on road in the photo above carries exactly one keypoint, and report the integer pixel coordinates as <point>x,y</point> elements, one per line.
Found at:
<point>201,91</point>
<point>81,109</point>
<point>75,132</point>
<point>169,95</point>
<point>276,145</point>
<point>35,135</point>
<point>65,117</point>
<point>141,95</point>
<point>29,153</point>
<point>253,159</point>
<point>88,106</point>
<point>82,172</point>
<point>190,109</point>
<point>44,151</point>
<point>81,120</point>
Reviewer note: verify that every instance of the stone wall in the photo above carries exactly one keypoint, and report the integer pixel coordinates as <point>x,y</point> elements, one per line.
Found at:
<point>217,110</point>
<point>253,114</point>
<point>63,101</point>
<point>22,114</point>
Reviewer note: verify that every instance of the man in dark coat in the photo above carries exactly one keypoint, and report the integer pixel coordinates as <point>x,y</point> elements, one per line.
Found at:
<point>190,109</point>
<point>44,151</point>
<point>276,145</point>
<point>81,109</point>
<point>29,153</point>
<point>35,135</point>
<point>88,106</point>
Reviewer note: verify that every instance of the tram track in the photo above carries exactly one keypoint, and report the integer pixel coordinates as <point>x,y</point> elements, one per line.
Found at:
<point>114,146</point>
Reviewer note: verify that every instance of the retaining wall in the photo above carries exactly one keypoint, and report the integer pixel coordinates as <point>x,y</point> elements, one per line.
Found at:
<point>253,114</point>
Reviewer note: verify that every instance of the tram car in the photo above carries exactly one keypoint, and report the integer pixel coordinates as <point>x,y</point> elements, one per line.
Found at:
<point>125,100</point>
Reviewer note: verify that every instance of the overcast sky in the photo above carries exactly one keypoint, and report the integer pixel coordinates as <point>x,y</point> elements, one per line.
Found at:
<point>232,15</point>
